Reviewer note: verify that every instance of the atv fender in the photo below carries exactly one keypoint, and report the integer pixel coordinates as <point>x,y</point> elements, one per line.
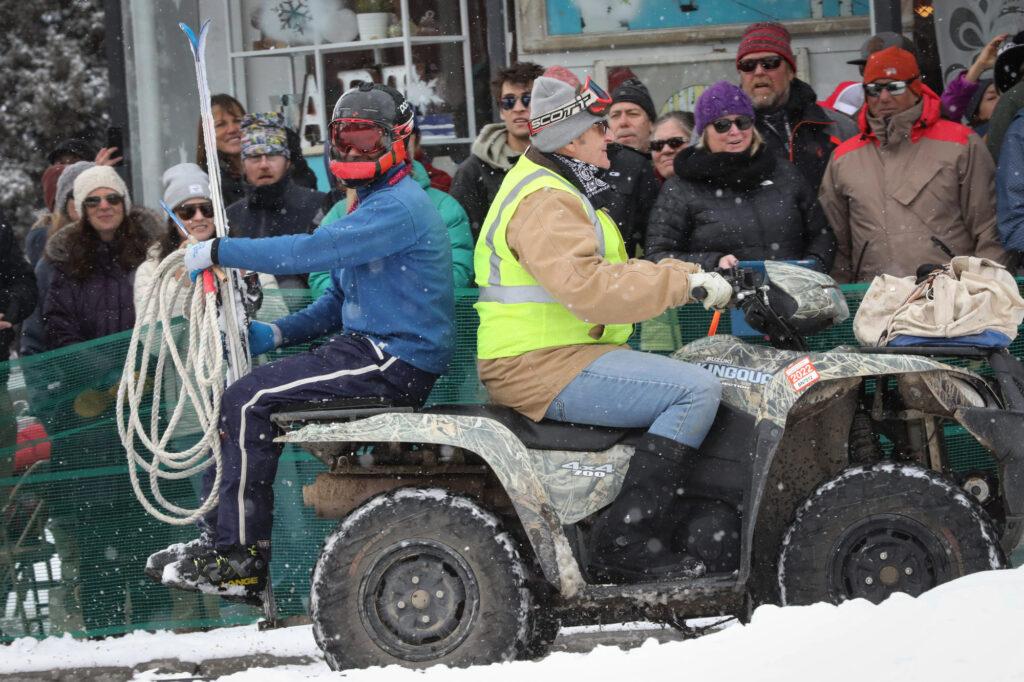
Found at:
<point>492,441</point>
<point>787,388</point>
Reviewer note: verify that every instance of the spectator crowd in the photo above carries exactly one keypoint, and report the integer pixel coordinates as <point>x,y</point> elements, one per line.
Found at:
<point>879,177</point>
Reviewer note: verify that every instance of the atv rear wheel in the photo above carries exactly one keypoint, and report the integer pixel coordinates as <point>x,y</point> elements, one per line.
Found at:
<point>875,530</point>
<point>419,577</point>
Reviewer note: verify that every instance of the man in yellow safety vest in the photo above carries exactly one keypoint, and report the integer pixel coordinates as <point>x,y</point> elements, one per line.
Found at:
<point>558,299</point>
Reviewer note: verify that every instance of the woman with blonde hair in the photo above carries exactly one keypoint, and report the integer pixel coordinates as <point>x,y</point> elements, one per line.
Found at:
<point>731,199</point>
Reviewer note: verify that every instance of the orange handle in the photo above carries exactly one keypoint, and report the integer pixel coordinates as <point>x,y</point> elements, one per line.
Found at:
<point>715,319</point>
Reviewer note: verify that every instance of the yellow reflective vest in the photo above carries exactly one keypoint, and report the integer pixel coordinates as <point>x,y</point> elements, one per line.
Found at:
<point>517,314</point>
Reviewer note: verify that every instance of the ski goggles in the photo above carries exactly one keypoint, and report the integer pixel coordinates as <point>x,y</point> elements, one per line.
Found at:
<point>359,135</point>
<point>185,212</point>
<point>892,87</point>
<point>672,143</point>
<point>589,98</point>
<point>723,125</point>
<point>766,63</point>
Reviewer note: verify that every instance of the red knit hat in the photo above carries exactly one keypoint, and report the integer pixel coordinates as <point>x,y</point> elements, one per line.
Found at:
<point>50,177</point>
<point>895,64</point>
<point>766,36</point>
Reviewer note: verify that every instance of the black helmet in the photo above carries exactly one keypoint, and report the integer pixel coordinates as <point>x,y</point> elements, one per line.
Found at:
<point>1009,62</point>
<point>370,113</point>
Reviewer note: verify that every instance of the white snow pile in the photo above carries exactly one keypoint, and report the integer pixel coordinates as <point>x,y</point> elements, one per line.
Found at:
<point>967,629</point>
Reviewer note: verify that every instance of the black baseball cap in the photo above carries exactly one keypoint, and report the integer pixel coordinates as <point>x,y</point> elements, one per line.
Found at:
<point>881,41</point>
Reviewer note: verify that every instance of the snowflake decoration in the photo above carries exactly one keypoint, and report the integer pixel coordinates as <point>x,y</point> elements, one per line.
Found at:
<point>294,15</point>
<point>422,94</point>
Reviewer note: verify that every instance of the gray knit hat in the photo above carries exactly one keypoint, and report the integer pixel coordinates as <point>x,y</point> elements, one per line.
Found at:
<point>183,182</point>
<point>66,185</point>
<point>549,94</point>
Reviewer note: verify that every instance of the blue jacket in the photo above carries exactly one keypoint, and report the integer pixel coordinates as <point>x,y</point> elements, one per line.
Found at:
<point>391,268</point>
<point>1010,186</point>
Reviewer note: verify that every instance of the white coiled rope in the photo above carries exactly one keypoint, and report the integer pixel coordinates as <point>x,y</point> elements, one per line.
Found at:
<point>201,375</point>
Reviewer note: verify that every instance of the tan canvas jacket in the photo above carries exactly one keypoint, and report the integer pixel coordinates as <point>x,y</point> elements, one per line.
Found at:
<point>554,241</point>
<point>888,191</point>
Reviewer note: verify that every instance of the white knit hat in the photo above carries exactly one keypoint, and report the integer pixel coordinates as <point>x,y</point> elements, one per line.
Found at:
<point>93,179</point>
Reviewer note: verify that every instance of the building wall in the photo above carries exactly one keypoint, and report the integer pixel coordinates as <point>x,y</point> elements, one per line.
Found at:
<point>827,54</point>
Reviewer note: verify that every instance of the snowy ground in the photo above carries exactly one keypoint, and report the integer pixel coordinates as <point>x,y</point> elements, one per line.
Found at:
<point>967,629</point>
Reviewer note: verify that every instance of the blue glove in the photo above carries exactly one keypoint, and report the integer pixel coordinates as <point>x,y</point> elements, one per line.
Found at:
<point>263,337</point>
<point>198,257</point>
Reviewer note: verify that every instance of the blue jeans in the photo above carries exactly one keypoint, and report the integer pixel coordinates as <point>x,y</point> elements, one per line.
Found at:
<point>630,389</point>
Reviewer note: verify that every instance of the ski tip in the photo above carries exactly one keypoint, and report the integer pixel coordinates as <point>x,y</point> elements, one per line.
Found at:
<point>192,37</point>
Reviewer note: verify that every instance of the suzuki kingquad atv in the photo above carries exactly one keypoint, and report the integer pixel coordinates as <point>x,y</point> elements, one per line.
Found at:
<point>465,532</point>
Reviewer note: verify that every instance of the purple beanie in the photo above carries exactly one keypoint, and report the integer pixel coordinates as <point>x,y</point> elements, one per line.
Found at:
<point>718,100</point>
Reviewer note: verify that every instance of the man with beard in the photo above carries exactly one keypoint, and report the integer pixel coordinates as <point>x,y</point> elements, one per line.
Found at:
<point>787,114</point>
<point>498,145</point>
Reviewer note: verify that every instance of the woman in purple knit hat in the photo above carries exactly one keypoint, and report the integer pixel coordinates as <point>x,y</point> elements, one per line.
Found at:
<point>731,199</point>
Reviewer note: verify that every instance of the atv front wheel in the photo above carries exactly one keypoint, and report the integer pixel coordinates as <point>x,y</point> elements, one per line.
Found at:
<point>420,577</point>
<point>885,528</point>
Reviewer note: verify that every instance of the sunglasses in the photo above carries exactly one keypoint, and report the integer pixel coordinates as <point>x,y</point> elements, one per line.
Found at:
<point>892,87</point>
<point>94,202</point>
<point>767,63</point>
<point>602,125</point>
<point>508,102</point>
<point>365,137</point>
<point>186,212</point>
<point>723,125</point>
<point>672,143</point>
<point>590,98</point>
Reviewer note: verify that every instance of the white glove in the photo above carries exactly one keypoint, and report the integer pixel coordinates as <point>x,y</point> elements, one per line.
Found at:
<point>718,290</point>
<point>198,257</point>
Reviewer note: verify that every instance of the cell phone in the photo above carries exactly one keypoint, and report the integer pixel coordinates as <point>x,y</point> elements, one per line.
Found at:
<point>115,138</point>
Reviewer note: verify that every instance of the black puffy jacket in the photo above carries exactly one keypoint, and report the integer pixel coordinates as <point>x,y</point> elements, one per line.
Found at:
<point>755,208</point>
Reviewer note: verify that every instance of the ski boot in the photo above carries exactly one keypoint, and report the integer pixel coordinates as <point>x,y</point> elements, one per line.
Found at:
<point>632,538</point>
<point>180,550</point>
<point>238,574</point>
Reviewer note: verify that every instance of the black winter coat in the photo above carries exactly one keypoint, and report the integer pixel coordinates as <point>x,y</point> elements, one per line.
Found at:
<point>475,185</point>
<point>275,210</point>
<point>81,310</point>
<point>755,208</point>
<point>636,189</point>
<point>804,133</point>
<point>17,286</point>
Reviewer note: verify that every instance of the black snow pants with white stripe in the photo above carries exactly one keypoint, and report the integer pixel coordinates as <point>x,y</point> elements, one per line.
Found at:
<point>349,365</point>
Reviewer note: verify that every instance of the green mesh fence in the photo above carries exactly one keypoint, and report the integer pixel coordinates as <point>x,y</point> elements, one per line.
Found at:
<point>74,540</point>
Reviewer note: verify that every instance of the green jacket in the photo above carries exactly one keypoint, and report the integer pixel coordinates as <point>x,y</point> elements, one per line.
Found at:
<point>1011,101</point>
<point>454,217</point>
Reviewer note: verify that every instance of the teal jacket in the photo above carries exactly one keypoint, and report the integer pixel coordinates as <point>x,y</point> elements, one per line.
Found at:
<point>454,217</point>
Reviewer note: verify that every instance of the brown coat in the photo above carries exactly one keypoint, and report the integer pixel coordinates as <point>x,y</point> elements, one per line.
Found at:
<point>888,191</point>
<point>554,241</point>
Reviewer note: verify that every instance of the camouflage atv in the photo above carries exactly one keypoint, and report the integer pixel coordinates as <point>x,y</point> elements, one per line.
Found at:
<point>464,534</point>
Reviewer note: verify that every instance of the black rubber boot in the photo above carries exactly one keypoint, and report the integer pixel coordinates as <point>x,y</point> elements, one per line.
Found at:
<point>631,540</point>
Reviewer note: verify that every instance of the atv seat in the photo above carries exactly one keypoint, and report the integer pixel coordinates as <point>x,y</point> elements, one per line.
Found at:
<point>342,409</point>
<point>546,434</point>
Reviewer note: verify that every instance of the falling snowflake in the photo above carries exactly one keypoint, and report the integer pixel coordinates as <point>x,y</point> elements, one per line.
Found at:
<point>294,15</point>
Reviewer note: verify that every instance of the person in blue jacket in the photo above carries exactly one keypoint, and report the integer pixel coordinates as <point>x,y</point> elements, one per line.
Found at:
<point>391,293</point>
<point>1010,187</point>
